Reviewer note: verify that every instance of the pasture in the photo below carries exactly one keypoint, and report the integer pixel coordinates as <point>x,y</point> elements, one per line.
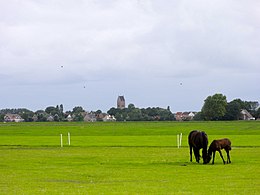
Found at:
<point>125,158</point>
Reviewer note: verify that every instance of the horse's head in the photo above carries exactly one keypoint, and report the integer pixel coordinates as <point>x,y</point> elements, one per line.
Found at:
<point>205,145</point>
<point>208,158</point>
<point>205,156</point>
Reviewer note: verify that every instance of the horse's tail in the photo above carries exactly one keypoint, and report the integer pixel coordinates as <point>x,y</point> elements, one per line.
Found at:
<point>190,137</point>
<point>229,146</point>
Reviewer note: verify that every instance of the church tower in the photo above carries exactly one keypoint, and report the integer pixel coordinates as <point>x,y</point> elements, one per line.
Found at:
<point>121,102</point>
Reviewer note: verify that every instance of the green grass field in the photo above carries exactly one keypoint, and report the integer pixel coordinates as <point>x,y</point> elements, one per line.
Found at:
<point>125,158</point>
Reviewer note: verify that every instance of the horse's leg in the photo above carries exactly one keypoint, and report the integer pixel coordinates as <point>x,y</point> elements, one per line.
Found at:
<point>214,152</point>
<point>228,157</point>
<point>221,156</point>
<point>197,155</point>
<point>190,153</point>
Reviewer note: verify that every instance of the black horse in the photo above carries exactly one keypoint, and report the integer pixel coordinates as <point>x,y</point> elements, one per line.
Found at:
<point>218,145</point>
<point>197,140</point>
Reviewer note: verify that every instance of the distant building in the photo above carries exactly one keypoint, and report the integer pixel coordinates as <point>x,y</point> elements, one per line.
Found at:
<point>178,116</point>
<point>50,118</point>
<point>109,118</point>
<point>121,102</point>
<point>90,117</point>
<point>184,116</point>
<point>188,116</point>
<point>13,118</point>
<point>245,115</point>
<point>69,118</point>
<point>35,118</point>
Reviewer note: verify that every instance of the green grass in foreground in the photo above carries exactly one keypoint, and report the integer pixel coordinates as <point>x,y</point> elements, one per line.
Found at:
<point>124,158</point>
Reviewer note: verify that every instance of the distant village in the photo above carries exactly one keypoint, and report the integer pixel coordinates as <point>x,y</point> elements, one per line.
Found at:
<point>120,113</point>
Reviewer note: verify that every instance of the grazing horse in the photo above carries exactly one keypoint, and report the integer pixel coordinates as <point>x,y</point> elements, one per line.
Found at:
<point>197,140</point>
<point>218,145</point>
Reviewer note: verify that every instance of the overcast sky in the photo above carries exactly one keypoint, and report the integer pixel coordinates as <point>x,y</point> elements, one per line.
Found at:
<point>155,53</point>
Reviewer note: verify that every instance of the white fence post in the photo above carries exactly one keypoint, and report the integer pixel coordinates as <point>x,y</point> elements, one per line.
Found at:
<point>69,138</point>
<point>61,141</point>
<point>178,140</point>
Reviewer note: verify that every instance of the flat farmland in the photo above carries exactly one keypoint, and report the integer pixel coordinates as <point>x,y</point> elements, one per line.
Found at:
<point>125,158</point>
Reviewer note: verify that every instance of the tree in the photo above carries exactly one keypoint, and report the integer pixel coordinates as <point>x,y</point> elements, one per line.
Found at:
<point>78,117</point>
<point>198,116</point>
<point>135,114</point>
<point>2,116</point>
<point>131,113</point>
<point>27,115</point>
<point>52,110</point>
<point>257,113</point>
<point>251,106</point>
<point>77,110</point>
<point>120,114</point>
<point>112,111</point>
<point>131,107</point>
<point>165,114</point>
<point>56,112</point>
<point>214,107</point>
<point>98,112</point>
<point>61,108</point>
<point>77,113</point>
<point>233,110</point>
<point>41,115</point>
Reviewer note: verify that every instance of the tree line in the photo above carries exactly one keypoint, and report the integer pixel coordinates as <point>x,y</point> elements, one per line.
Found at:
<point>128,114</point>
<point>131,113</point>
<point>56,112</point>
<point>215,107</point>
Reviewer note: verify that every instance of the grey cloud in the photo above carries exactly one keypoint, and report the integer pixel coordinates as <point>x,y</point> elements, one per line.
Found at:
<point>142,44</point>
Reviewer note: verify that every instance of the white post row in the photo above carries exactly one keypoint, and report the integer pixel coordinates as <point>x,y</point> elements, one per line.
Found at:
<point>61,140</point>
<point>179,139</point>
